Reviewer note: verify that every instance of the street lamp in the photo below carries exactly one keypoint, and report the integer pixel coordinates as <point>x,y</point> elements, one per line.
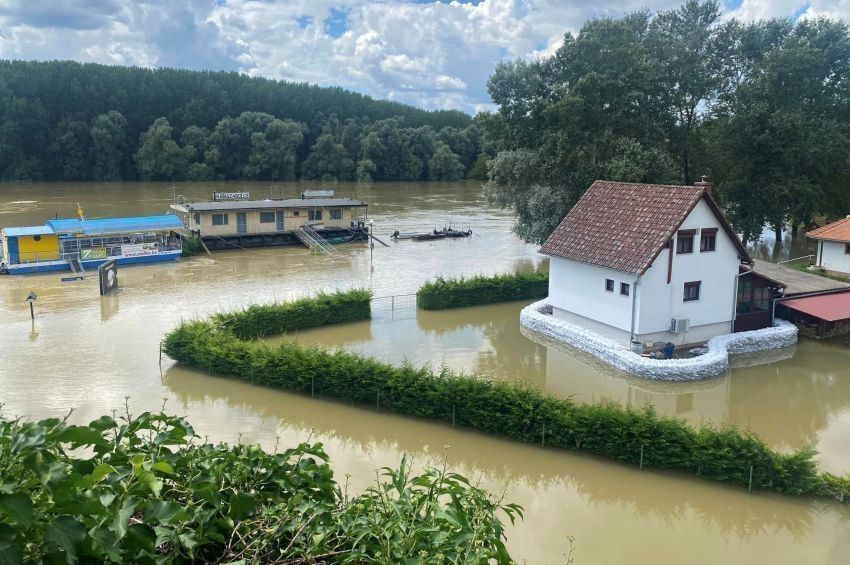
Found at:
<point>31,299</point>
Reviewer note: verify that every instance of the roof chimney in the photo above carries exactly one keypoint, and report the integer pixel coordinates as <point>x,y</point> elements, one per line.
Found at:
<point>706,185</point>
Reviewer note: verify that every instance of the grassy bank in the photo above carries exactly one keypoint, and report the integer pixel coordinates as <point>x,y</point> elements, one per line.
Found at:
<point>144,490</point>
<point>803,265</point>
<point>637,436</point>
<point>454,293</point>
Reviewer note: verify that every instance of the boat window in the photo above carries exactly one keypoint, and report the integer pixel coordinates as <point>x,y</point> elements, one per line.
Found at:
<point>266,217</point>
<point>335,214</point>
<point>296,212</point>
<point>220,219</point>
<point>313,215</point>
<point>197,218</point>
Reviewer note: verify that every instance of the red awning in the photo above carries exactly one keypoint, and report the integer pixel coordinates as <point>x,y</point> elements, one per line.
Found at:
<point>828,307</point>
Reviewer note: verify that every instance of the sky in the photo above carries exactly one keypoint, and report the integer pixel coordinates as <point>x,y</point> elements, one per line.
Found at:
<point>430,54</point>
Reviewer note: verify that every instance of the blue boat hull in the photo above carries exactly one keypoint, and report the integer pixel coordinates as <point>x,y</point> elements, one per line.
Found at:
<point>91,264</point>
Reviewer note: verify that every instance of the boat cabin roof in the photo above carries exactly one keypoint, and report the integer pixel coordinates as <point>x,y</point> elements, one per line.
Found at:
<point>99,226</point>
<point>261,204</point>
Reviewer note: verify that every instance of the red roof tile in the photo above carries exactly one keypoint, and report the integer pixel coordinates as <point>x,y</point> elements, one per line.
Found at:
<point>624,226</point>
<point>836,231</point>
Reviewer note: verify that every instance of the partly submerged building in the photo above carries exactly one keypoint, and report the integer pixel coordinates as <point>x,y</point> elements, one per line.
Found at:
<point>652,263</point>
<point>833,252</point>
<point>80,244</point>
<point>233,224</point>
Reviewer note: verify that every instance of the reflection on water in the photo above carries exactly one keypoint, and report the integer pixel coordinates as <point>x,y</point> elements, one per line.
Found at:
<point>87,353</point>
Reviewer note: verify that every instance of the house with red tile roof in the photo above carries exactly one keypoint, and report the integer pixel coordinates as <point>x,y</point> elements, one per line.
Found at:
<point>833,246</point>
<point>651,263</point>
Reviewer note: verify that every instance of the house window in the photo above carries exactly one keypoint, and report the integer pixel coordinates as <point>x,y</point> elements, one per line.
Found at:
<point>624,289</point>
<point>692,291</point>
<point>266,217</point>
<point>220,219</point>
<point>609,285</point>
<point>847,248</point>
<point>685,242</point>
<point>708,240</point>
<point>314,215</point>
<point>335,214</point>
<point>761,299</point>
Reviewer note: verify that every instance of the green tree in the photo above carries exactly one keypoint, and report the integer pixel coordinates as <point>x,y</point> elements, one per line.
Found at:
<point>159,157</point>
<point>273,151</point>
<point>328,161</point>
<point>445,165</point>
<point>108,138</point>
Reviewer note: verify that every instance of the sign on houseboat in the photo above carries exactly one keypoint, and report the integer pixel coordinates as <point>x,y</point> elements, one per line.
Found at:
<point>219,196</point>
<point>139,249</point>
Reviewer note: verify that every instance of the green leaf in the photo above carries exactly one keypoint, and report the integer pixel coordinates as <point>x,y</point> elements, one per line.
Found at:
<point>18,508</point>
<point>66,533</point>
<point>163,467</point>
<point>150,482</point>
<point>102,423</point>
<point>121,521</point>
<point>242,505</point>
<point>102,471</point>
<point>162,511</point>
<point>81,435</point>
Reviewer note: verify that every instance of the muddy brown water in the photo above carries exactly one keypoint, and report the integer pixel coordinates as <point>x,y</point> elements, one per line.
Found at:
<point>90,353</point>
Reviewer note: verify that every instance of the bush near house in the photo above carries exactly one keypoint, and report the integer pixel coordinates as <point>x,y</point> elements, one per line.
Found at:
<point>191,246</point>
<point>282,317</point>
<point>144,490</point>
<point>637,436</point>
<point>454,293</point>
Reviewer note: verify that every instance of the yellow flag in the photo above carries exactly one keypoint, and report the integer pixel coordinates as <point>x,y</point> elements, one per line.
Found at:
<point>80,211</point>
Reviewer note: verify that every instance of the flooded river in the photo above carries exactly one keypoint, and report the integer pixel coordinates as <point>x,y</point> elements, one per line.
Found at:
<point>90,353</point>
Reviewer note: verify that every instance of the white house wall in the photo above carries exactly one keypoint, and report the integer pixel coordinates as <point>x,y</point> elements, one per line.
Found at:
<point>577,294</point>
<point>833,258</point>
<point>659,302</point>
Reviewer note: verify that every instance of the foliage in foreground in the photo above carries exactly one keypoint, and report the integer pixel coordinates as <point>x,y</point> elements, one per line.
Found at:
<point>637,436</point>
<point>312,312</point>
<point>143,490</point>
<point>453,293</point>
<point>191,246</point>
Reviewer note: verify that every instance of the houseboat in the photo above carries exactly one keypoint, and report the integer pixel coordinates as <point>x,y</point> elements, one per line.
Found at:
<point>234,221</point>
<point>81,244</point>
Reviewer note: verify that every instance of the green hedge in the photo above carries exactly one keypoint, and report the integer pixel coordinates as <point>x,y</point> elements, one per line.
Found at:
<point>282,317</point>
<point>453,293</point>
<point>623,433</point>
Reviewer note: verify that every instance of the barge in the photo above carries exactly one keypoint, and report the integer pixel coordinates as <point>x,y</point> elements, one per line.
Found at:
<point>78,245</point>
<point>225,223</point>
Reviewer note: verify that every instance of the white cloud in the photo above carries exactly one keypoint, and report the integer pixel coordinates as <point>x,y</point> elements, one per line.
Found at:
<point>432,54</point>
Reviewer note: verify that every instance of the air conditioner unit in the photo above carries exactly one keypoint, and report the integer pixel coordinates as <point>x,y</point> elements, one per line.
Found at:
<point>680,325</point>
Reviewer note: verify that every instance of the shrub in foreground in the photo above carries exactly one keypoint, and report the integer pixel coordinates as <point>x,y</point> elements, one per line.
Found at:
<point>453,293</point>
<point>320,310</point>
<point>638,436</point>
<point>143,490</point>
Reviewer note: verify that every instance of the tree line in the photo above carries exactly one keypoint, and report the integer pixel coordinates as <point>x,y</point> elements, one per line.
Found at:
<point>762,108</point>
<point>62,120</point>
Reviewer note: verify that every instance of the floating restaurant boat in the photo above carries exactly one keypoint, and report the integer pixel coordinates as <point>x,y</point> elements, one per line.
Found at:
<point>80,244</point>
<point>234,221</point>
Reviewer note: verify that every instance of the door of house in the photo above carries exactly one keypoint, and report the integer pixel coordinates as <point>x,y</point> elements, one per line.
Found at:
<point>241,223</point>
<point>278,216</point>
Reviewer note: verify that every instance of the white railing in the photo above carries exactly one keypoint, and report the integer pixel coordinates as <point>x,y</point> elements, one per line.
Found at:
<point>311,238</point>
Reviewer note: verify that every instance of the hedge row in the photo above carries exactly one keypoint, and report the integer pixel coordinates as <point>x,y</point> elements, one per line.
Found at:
<point>453,293</point>
<point>282,317</point>
<point>638,436</point>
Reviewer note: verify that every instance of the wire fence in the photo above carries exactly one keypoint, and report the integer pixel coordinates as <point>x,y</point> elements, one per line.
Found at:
<point>396,307</point>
